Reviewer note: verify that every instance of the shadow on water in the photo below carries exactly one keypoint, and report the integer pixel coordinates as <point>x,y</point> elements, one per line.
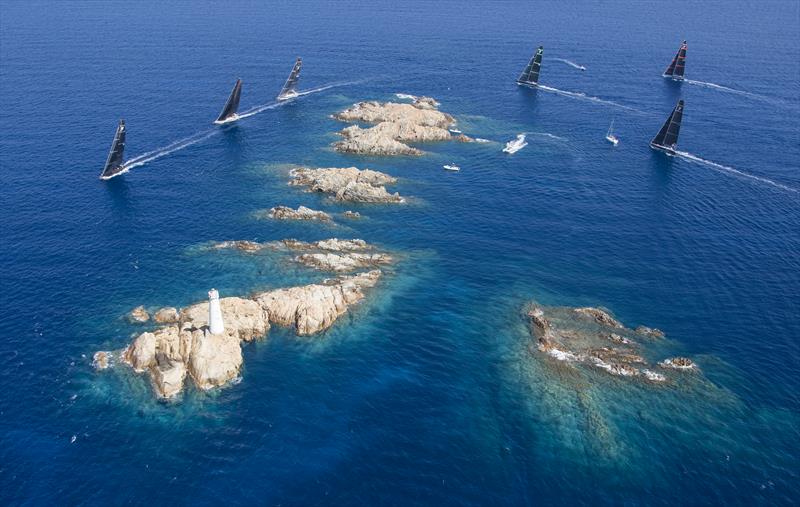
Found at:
<point>661,169</point>
<point>672,92</point>
<point>119,191</point>
<point>233,139</point>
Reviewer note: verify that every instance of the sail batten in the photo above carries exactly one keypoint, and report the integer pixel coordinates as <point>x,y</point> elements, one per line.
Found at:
<point>288,91</point>
<point>228,112</point>
<point>677,67</point>
<point>667,137</point>
<point>530,76</point>
<point>115,161</point>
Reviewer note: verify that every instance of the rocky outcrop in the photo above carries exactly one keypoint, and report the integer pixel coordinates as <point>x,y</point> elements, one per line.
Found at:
<point>350,261</point>
<point>138,315</point>
<point>313,308</point>
<point>166,315</point>
<point>678,363</point>
<point>394,125</point>
<point>649,332</point>
<point>185,349</point>
<point>347,184</point>
<point>600,316</point>
<point>101,359</point>
<point>353,215</point>
<point>301,213</point>
<point>240,244</point>
<point>582,337</point>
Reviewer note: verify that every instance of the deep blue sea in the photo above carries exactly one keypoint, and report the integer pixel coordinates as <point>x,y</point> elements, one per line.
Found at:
<point>425,394</point>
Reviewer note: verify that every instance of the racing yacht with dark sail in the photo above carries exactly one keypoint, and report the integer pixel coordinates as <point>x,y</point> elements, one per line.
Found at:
<point>228,113</point>
<point>530,76</point>
<point>114,163</point>
<point>678,66</point>
<point>667,138</point>
<point>288,91</point>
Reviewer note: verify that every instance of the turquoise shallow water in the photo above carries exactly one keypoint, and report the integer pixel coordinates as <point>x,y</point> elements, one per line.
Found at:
<point>426,394</point>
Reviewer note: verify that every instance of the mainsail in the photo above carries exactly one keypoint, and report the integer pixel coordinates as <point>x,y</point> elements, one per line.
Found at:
<point>530,76</point>
<point>228,113</point>
<point>678,65</point>
<point>114,163</point>
<point>288,90</point>
<point>667,137</point>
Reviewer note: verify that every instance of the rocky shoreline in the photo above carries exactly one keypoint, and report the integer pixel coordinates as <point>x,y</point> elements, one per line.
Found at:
<point>347,184</point>
<point>185,349</point>
<point>394,126</point>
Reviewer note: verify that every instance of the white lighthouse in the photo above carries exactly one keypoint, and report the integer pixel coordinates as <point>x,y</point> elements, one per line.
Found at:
<point>215,324</point>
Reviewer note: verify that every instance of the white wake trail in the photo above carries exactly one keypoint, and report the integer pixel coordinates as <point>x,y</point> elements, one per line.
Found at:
<point>724,168</point>
<point>743,93</point>
<point>583,96</point>
<point>570,63</point>
<point>166,150</point>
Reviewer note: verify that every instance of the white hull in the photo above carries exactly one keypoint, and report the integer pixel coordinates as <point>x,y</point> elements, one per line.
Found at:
<point>230,119</point>
<point>453,168</point>
<point>613,140</point>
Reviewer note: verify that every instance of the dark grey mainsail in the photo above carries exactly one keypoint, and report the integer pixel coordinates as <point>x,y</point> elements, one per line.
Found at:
<point>288,91</point>
<point>228,113</point>
<point>114,162</point>
<point>530,76</point>
<point>667,137</point>
<point>678,65</point>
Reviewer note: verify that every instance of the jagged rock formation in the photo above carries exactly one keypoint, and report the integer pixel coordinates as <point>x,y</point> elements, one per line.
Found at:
<point>138,315</point>
<point>347,184</point>
<point>340,263</point>
<point>242,245</point>
<point>185,349</point>
<point>395,125</point>
<point>352,214</point>
<point>301,213</point>
<point>678,363</point>
<point>167,315</point>
<point>594,338</point>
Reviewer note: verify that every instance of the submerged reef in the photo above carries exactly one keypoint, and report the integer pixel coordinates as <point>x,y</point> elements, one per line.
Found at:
<point>348,184</point>
<point>394,125</point>
<point>593,338</point>
<point>173,352</point>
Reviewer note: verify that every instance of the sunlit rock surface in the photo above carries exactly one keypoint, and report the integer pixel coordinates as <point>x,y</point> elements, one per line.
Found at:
<point>347,184</point>
<point>185,349</point>
<point>394,126</point>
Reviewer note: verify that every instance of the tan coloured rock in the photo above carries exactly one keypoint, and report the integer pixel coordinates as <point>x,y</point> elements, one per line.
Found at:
<point>101,360</point>
<point>301,213</point>
<point>341,263</point>
<point>347,184</point>
<point>166,315</point>
<point>172,352</point>
<point>138,315</point>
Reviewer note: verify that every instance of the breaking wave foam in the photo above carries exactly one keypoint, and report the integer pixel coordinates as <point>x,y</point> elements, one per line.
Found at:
<point>727,169</point>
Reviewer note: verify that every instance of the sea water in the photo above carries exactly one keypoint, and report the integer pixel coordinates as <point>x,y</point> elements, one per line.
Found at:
<point>427,393</point>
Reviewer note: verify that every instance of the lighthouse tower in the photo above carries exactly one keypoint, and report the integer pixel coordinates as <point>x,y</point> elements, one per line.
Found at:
<point>215,325</point>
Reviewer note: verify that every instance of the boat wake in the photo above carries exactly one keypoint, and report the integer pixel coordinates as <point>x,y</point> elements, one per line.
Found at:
<point>570,63</point>
<point>729,90</point>
<point>166,150</point>
<point>551,136</point>
<point>730,170</point>
<point>583,96</point>
<point>180,144</point>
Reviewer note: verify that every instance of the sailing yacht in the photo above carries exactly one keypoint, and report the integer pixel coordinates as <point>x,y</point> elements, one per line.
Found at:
<point>288,91</point>
<point>530,76</point>
<point>114,163</point>
<point>228,113</point>
<point>610,137</point>
<point>667,138</point>
<point>678,65</point>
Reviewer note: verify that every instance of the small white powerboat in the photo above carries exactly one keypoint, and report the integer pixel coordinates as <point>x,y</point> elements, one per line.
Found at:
<point>451,167</point>
<point>516,144</point>
<point>610,137</point>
